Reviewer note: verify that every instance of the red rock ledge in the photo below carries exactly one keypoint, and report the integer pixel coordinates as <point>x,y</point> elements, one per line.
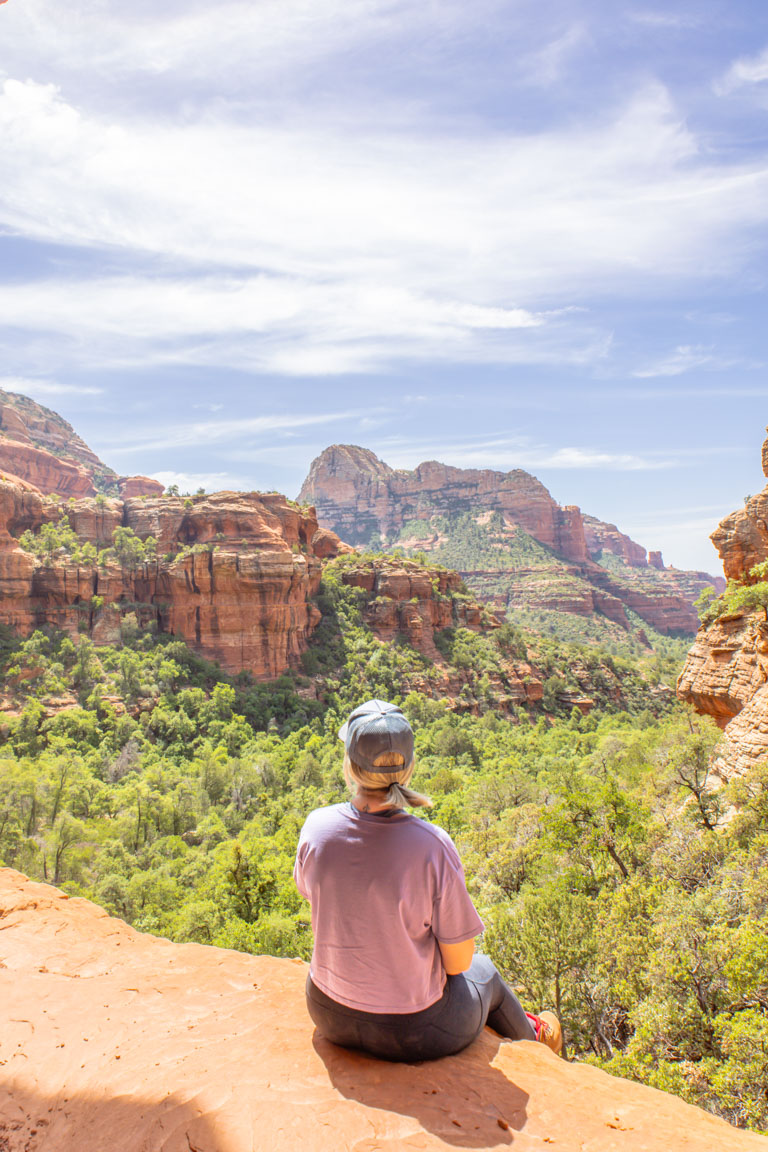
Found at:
<point>110,1039</point>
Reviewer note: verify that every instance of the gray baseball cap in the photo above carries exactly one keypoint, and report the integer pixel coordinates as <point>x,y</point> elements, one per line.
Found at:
<point>374,728</point>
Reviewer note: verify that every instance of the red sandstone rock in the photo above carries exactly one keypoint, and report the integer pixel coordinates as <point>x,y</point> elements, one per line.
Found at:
<point>45,471</point>
<point>62,462</point>
<point>406,599</point>
<point>235,574</point>
<point>726,671</point>
<point>358,495</point>
<point>602,537</point>
<point>111,1039</point>
<point>139,486</point>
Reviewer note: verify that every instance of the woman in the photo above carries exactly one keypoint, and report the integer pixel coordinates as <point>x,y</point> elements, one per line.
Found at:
<point>393,968</point>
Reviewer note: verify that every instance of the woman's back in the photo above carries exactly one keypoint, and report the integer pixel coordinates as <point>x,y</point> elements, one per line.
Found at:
<point>384,890</point>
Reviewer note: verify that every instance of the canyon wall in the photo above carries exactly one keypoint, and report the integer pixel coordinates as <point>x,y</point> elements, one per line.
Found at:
<point>362,499</point>
<point>358,496</point>
<point>726,673</point>
<point>39,447</point>
<point>233,574</point>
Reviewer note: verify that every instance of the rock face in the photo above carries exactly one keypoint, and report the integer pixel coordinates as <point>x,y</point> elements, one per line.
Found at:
<point>358,496</point>
<point>407,599</point>
<point>111,1039</point>
<point>361,498</point>
<point>234,573</point>
<point>726,672</point>
<point>38,446</point>
<point>602,537</point>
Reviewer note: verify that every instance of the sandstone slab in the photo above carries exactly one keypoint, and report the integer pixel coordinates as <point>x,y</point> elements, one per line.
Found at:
<point>110,1039</point>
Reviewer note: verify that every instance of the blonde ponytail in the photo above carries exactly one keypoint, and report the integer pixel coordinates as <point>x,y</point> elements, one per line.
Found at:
<point>398,794</point>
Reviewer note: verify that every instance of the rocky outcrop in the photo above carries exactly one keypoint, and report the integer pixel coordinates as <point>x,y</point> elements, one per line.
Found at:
<point>233,574</point>
<point>726,672</point>
<point>39,446</point>
<point>138,486</point>
<point>362,498</point>
<point>359,496</point>
<point>112,1039</point>
<point>404,599</point>
<point>407,599</point>
<point>602,537</point>
<point>46,472</point>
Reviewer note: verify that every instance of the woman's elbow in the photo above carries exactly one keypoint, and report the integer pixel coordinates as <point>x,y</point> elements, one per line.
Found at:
<point>457,958</point>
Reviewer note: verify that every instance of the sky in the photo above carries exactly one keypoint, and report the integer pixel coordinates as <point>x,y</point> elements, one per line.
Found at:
<point>503,234</point>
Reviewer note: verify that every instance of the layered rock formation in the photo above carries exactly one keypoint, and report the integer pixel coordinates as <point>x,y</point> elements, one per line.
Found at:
<point>361,498</point>
<point>233,573</point>
<point>39,447</point>
<point>407,599</point>
<point>111,1039</point>
<point>400,598</point>
<point>726,673</point>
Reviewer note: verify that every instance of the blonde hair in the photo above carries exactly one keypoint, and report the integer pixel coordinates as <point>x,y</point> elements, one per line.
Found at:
<point>398,794</point>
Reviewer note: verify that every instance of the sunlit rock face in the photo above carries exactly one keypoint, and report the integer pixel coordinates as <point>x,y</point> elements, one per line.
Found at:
<point>358,495</point>
<point>113,1039</point>
<point>40,447</point>
<point>726,672</point>
<point>234,573</point>
<point>362,499</point>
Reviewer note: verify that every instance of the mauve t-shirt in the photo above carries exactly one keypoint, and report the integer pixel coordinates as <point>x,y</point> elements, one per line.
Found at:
<point>384,889</point>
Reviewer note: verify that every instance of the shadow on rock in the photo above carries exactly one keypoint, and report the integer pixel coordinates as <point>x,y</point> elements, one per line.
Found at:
<point>80,1122</point>
<point>461,1099</point>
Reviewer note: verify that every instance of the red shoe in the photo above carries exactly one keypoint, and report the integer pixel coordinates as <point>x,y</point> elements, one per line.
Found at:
<point>548,1030</point>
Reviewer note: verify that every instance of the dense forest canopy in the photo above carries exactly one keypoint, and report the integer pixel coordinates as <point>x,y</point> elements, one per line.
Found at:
<point>615,885</point>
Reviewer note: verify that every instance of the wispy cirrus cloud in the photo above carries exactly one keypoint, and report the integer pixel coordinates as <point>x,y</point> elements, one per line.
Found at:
<point>684,358</point>
<point>746,71</point>
<point>349,245</point>
<point>233,432</point>
<point>281,324</point>
<point>33,386</point>
<point>506,453</point>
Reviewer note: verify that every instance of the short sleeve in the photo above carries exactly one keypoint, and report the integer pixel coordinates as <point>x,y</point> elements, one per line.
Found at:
<point>454,916</point>
<point>298,869</point>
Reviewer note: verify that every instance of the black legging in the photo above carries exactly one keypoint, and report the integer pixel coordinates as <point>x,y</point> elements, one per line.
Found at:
<point>469,1002</point>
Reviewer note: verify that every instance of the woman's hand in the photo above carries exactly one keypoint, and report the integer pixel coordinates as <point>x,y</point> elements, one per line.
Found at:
<point>457,957</point>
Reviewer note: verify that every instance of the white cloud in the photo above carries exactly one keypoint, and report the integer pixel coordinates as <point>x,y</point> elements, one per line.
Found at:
<point>285,325</point>
<point>31,386</point>
<point>482,217</point>
<point>233,431</point>
<point>655,19</point>
<point>192,42</point>
<point>547,65</point>
<point>745,71</point>
<point>685,358</point>
<point>210,481</point>
<point>506,453</point>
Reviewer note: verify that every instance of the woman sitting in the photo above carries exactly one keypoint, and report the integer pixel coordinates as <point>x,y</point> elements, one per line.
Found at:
<point>394,970</point>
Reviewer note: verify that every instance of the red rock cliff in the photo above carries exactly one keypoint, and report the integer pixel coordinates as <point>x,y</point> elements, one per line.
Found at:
<point>726,673</point>
<point>111,1039</point>
<point>38,446</point>
<point>360,497</point>
<point>234,575</point>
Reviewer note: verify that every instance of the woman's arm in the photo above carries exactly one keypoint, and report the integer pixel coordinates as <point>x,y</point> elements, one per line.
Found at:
<point>457,957</point>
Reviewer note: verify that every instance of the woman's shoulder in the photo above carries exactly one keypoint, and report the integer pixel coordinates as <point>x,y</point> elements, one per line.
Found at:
<point>330,816</point>
<point>431,833</point>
